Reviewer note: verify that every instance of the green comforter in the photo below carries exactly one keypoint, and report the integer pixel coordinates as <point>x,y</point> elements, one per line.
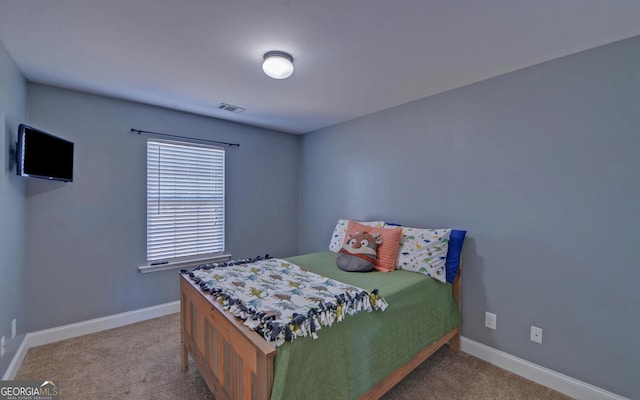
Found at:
<point>356,354</point>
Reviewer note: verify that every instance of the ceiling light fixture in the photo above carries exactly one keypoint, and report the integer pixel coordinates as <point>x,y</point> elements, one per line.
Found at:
<point>277,64</point>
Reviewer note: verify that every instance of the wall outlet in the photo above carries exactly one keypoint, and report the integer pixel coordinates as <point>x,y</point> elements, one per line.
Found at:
<point>13,329</point>
<point>490,320</point>
<point>2,347</point>
<point>536,334</point>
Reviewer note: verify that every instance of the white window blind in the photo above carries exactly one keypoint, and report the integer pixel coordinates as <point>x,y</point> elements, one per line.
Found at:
<point>185,200</point>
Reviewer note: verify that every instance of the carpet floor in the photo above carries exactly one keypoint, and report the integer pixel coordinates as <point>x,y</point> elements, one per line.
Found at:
<point>142,361</point>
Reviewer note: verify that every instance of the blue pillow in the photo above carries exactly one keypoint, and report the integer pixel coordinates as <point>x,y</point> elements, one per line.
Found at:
<point>453,253</point>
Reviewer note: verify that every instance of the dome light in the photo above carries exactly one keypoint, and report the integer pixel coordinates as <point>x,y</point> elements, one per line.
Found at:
<point>277,64</point>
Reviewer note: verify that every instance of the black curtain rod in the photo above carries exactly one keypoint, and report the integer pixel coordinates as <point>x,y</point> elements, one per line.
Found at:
<point>139,132</point>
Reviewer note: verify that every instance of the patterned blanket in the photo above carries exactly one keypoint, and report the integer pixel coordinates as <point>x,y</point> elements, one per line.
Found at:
<point>281,300</point>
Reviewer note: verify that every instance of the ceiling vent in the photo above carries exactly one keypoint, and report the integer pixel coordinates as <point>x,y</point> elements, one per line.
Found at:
<point>229,107</point>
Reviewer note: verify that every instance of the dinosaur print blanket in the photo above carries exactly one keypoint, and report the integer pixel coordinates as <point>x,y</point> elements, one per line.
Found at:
<point>281,300</point>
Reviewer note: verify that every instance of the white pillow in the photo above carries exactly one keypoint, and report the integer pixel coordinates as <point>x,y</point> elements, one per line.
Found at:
<point>424,251</point>
<point>337,237</point>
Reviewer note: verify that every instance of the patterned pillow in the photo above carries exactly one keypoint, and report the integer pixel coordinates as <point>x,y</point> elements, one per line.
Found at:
<point>424,251</point>
<point>387,251</point>
<point>337,237</point>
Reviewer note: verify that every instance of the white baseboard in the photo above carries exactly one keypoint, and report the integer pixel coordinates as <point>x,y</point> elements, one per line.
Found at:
<point>52,335</point>
<point>16,361</point>
<point>100,324</point>
<point>544,376</point>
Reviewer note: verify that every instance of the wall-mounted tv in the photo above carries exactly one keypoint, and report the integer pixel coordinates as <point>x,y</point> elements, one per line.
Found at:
<point>42,155</point>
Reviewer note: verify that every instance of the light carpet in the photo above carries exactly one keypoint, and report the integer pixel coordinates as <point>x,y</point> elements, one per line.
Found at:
<point>142,361</point>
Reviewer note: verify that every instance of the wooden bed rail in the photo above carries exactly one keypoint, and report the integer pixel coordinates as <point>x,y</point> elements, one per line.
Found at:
<point>453,337</point>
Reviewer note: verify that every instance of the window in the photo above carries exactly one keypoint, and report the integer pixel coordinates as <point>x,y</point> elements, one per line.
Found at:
<point>185,200</point>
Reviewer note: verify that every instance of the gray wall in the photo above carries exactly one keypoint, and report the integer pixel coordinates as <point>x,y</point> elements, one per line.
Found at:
<point>13,106</point>
<point>541,167</point>
<point>87,238</point>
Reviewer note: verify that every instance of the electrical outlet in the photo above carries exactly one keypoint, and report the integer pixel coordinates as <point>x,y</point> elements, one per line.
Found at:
<point>13,329</point>
<point>536,334</point>
<point>2,347</point>
<point>490,320</point>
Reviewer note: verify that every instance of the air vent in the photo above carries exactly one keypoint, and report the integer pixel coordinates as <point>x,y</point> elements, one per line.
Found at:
<point>232,108</point>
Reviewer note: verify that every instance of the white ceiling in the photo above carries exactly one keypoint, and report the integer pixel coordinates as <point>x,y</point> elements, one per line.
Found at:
<point>352,57</point>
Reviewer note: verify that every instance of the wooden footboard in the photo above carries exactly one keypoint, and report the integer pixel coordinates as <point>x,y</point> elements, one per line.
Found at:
<point>237,363</point>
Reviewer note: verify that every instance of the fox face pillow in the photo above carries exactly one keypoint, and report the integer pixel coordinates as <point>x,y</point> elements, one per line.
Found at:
<point>358,254</point>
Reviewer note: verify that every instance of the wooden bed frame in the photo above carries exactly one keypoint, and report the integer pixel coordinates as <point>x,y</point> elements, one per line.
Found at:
<point>237,363</point>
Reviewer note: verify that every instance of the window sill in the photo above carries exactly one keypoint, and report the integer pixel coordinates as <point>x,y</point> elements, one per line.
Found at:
<point>183,264</point>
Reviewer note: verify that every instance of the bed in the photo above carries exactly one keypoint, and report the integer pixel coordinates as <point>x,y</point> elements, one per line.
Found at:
<point>361,357</point>
<point>364,355</point>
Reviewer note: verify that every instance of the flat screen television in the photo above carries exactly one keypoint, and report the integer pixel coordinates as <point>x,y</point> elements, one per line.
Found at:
<point>42,155</point>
